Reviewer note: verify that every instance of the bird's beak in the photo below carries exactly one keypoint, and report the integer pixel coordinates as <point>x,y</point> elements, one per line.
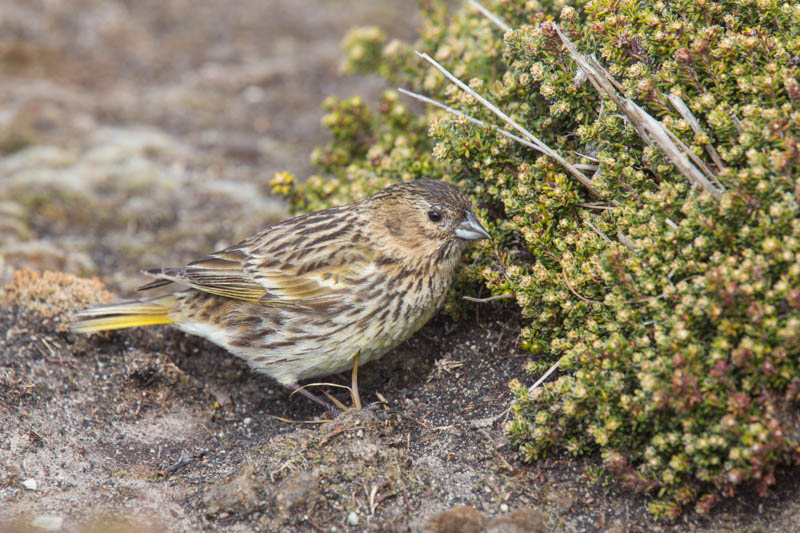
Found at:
<point>470,229</point>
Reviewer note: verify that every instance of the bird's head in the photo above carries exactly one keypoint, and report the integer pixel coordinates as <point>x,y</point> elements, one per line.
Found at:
<point>427,217</point>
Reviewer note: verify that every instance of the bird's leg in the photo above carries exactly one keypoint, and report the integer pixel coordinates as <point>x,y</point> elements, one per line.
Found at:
<point>354,383</point>
<point>356,398</point>
<point>327,405</point>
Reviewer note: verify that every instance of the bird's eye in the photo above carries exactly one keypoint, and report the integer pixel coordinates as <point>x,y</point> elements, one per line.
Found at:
<point>435,216</point>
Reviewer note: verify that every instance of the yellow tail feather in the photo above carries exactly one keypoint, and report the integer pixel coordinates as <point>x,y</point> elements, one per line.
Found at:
<point>125,315</point>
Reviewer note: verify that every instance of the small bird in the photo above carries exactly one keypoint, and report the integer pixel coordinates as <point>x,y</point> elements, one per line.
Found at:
<point>306,296</point>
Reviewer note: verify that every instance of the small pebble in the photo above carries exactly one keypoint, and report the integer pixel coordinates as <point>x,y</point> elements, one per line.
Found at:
<point>503,508</point>
<point>47,523</point>
<point>30,484</point>
<point>352,518</point>
<point>247,421</point>
<point>253,94</point>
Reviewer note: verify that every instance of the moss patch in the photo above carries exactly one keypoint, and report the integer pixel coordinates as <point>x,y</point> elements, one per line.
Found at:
<point>53,294</point>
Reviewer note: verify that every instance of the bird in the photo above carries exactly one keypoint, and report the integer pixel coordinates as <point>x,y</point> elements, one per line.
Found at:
<point>309,296</point>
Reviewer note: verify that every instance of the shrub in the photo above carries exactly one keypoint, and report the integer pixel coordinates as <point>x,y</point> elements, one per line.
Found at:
<point>674,310</point>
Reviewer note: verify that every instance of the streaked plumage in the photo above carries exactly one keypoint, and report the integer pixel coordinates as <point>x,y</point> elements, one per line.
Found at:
<point>301,298</point>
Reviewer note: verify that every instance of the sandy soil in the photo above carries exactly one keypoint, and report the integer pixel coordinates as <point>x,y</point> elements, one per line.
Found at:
<point>138,134</point>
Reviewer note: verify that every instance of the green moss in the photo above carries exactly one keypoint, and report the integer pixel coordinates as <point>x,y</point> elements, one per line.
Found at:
<point>676,315</point>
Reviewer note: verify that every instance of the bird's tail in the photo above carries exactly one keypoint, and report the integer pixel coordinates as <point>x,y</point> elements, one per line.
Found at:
<point>128,314</point>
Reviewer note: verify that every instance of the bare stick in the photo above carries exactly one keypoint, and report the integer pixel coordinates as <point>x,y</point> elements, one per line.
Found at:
<point>545,376</point>
<point>589,157</point>
<point>684,111</point>
<point>665,140</point>
<point>491,16</point>
<point>603,235</point>
<point>489,299</point>
<point>458,113</point>
<point>736,123</point>
<point>697,161</point>
<point>626,241</point>
<point>597,205</point>
<point>646,126</point>
<point>573,291</point>
<point>580,176</point>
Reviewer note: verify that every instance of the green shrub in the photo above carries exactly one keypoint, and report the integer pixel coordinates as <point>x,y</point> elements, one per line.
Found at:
<point>676,315</point>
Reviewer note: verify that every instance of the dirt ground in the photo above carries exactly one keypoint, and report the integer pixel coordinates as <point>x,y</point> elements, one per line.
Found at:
<point>138,134</point>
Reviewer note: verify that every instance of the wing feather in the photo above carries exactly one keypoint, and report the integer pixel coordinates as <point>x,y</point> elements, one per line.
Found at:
<point>292,263</point>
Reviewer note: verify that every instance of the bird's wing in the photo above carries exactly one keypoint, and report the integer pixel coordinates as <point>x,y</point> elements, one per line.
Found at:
<point>284,264</point>
<point>221,273</point>
<point>313,279</point>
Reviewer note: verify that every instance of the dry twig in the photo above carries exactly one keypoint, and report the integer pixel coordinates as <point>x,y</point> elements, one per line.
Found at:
<point>649,129</point>
<point>603,235</point>
<point>489,299</point>
<point>684,111</point>
<point>573,291</point>
<point>545,376</point>
<point>473,120</point>
<point>580,176</point>
<point>491,16</point>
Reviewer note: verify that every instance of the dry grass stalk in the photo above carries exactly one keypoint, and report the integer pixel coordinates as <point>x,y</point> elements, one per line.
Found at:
<point>580,176</point>
<point>545,376</point>
<point>489,15</point>
<point>686,113</point>
<point>648,128</point>
<point>473,120</point>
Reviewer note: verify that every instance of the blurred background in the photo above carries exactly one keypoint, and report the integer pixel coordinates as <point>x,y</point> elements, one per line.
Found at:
<point>144,133</point>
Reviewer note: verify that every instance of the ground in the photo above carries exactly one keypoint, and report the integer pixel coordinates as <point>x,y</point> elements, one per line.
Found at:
<point>139,134</point>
